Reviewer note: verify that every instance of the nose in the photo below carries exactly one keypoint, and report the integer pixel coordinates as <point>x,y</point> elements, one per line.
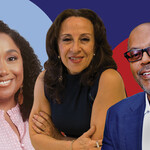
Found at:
<point>3,69</point>
<point>145,58</point>
<point>75,47</point>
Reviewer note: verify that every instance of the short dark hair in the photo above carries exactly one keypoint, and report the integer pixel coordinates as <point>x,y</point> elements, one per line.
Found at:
<point>55,68</point>
<point>31,68</point>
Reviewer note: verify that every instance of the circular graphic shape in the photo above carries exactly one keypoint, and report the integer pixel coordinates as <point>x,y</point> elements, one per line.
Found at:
<point>131,85</point>
<point>29,20</point>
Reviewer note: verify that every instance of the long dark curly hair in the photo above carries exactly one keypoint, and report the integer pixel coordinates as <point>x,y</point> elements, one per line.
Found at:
<point>31,69</point>
<point>54,79</point>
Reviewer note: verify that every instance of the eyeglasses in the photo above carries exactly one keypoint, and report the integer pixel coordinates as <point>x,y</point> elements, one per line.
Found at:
<point>136,54</point>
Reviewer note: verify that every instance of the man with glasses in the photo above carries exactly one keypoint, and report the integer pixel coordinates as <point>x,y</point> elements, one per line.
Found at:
<point>128,122</point>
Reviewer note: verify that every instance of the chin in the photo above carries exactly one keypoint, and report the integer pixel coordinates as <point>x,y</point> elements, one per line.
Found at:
<point>145,88</point>
<point>6,95</point>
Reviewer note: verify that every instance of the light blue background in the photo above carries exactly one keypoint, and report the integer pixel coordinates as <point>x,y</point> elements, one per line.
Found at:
<point>29,20</point>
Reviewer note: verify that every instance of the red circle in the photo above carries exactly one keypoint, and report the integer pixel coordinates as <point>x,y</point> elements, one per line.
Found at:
<point>131,85</point>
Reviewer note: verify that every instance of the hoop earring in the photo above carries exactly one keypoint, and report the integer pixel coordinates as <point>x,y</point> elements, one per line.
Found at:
<point>20,96</point>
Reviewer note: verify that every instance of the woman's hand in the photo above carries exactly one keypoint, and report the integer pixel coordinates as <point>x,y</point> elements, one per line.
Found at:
<point>84,142</point>
<point>44,125</point>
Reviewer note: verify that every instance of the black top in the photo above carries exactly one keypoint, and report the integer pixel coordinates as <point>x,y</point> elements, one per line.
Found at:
<point>73,115</point>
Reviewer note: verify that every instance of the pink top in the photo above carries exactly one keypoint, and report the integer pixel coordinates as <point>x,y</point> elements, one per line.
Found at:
<point>8,138</point>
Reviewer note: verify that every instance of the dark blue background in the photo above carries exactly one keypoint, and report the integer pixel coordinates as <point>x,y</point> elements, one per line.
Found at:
<point>119,17</point>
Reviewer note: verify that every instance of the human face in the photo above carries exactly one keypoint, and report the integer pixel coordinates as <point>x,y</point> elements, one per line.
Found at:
<point>140,39</point>
<point>11,69</point>
<point>76,43</point>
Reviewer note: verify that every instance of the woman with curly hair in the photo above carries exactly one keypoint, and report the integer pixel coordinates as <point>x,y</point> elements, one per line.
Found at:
<point>19,68</point>
<point>79,84</point>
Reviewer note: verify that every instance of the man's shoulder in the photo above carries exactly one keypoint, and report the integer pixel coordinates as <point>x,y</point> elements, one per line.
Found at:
<point>126,103</point>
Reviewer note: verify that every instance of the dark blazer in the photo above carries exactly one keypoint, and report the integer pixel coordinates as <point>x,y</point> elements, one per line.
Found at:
<point>124,123</point>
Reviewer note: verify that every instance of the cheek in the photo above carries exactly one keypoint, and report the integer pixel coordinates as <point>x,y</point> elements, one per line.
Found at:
<point>91,57</point>
<point>90,53</point>
<point>134,68</point>
<point>63,50</point>
<point>19,72</point>
<point>60,49</point>
<point>89,48</point>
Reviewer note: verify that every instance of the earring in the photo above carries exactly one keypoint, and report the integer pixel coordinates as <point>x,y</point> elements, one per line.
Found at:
<point>60,78</point>
<point>94,54</point>
<point>58,57</point>
<point>20,96</point>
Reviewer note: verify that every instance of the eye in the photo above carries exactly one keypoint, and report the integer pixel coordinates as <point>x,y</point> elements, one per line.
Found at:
<point>135,54</point>
<point>85,39</point>
<point>66,39</point>
<point>12,58</point>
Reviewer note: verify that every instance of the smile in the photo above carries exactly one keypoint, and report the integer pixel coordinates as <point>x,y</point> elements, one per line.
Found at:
<point>145,75</point>
<point>76,60</point>
<point>5,83</point>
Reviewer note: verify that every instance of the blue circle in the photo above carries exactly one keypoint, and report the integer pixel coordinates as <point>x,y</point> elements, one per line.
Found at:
<point>29,20</point>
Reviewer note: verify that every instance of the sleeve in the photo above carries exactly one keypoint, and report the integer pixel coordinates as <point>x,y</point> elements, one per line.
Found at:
<point>107,140</point>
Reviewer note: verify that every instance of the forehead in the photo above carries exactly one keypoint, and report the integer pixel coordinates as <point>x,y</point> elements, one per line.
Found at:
<point>6,39</point>
<point>140,37</point>
<point>6,42</point>
<point>76,24</point>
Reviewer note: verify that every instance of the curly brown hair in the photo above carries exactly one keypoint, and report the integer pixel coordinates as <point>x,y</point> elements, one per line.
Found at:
<point>31,68</point>
<point>54,79</point>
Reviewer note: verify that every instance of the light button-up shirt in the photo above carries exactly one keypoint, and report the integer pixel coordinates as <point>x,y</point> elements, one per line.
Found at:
<point>146,126</point>
<point>8,138</point>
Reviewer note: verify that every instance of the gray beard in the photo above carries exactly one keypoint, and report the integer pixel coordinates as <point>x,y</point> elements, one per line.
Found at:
<point>145,89</point>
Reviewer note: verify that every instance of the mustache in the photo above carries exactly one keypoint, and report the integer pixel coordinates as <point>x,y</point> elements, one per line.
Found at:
<point>144,68</point>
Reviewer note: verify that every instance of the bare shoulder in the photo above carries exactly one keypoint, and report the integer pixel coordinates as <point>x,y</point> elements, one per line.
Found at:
<point>40,99</point>
<point>111,83</point>
<point>111,76</point>
<point>41,75</point>
<point>39,84</point>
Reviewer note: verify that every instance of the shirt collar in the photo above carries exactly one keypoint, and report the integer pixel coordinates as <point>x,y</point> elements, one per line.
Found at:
<point>147,108</point>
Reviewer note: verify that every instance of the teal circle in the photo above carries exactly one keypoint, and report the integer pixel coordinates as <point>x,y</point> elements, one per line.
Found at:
<point>29,20</point>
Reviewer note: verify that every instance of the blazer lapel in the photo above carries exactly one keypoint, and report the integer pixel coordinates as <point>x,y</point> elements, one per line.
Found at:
<point>134,123</point>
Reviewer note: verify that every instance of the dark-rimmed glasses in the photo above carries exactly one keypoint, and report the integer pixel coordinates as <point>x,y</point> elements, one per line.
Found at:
<point>136,54</point>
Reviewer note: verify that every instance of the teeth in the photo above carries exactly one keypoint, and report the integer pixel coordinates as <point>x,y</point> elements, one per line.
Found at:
<point>5,82</point>
<point>146,73</point>
<point>75,58</point>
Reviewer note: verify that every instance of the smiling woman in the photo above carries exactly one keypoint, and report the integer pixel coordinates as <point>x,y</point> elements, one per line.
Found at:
<point>11,71</point>
<point>79,84</point>
<point>19,68</point>
<point>76,43</point>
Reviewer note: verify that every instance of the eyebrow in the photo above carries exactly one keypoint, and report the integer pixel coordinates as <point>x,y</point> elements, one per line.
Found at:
<point>67,34</point>
<point>133,48</point>
<point>64,34</point>
<point>12,50</point>
<point>86,34</point>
